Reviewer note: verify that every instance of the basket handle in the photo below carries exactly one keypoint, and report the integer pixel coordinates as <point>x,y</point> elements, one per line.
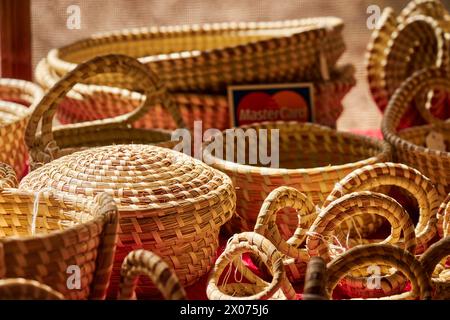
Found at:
<point>8,178</point>
<point>422,81</point>
<point>250,242</point>
<point>143,262</point>
<point>443,216</point>
<point>432,8</point>
<point>435,254</point>
<point>326,225</point>
<point>143,80</point>
<point>266,225</point>
<point>371,177</point>
<point>383,254</point>
<point>25,289</point>
<point>316,279</point>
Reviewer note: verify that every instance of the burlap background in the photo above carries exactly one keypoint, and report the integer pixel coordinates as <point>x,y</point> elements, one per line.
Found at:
<point>50,17</point>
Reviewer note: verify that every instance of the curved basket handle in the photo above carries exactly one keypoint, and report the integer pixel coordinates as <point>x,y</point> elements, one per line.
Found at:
<point>400,175</point>
<point>315,280</point>
<point>443,216</point>
<point>354,204</point>
<point>422,81</point>
<point>250,242</point>
<point>25,289</point>
<point>284,197</point>
<point>435,254</point>
<point>143,79</point>
<point>8,178</point>
<point>431,8</point>
<point>143,262</point>
<point>373,254</point>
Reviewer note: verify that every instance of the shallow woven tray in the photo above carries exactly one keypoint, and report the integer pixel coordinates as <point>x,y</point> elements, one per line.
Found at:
<point>312,159</point>
<point>15,97</point>
<point>410,144</point>
<point>169,203</point>
<point>86,103</point>
<point>209,57</point>
<point>69,231</point>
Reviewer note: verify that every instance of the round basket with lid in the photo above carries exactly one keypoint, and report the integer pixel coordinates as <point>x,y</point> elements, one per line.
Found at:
<point>169,203</point>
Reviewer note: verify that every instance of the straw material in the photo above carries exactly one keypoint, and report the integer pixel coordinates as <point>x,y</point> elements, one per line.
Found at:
<point>381,254</point>
<point>169,203</point>
<point>254,288</point>
<point>23,289</point>
<point>145,263</point>
<point>52,144</point>
<point>15,97</point>
<point>69,231</point>
<point>91,102</point>
<point>434,261</point>
<point>312,159</point>
<point>443,216</point>
<point>392,174</point>
<point>209,57</point>
<point>315,280</point>
<point>403,44</point>
<point>410,144</point>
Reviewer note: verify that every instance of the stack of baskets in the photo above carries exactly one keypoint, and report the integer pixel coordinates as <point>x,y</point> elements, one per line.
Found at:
<point>197,63</point>
<point>15,98</point>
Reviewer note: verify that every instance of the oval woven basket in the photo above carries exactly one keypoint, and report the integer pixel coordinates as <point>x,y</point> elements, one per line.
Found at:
<point>364,256</point>
<point>312,159</point>
<point>221,287</point>
<point>209,57</point>
<point>405,43</point>
<point>15,97</point>
<point>48,237</point>
<point>23,289</point>
<point>54,143</point>
<point>426,147</point>
<point>93,102</point>
<point>145,263</point>
<point>169,203</point>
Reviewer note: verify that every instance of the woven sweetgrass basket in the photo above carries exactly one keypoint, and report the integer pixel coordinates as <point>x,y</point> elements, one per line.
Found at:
<point>312,159</point>
<point>224,283</point>
<point>53,143</point>
<point>23,289</point>
<point>364,256</point>
<point>208,57</point>
<point>169,203</point>
<point>15,98</point>
<point>411,146</point>
<point>45,235</point>
<point>92,102</point>
<point>348,200</point>
<point>402,44</point>
<point>435,263</point>
<point>145,263</point>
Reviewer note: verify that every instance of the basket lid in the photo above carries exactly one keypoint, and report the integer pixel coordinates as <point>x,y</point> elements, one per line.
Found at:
<point>141,178</point>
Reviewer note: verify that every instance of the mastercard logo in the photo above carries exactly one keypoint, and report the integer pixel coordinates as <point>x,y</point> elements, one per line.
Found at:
<point>284,105</point>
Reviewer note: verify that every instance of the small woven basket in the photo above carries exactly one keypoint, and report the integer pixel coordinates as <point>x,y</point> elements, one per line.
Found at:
<point>23,289</point>
<point>415,39</point>
<point>54,143</point>
<point>145,263</point>
<point>206,58</point>
<point>381,255</point>
<point>45,235</point>
<point>254,287</point>
<point>434,261</point>
<point>15,97</point>
<point>411,145</point>
<point>169,203</point>
<point>312,159</point>
<point>93,102</point>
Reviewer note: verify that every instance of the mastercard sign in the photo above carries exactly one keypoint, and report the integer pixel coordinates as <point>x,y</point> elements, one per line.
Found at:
<point>280,102</point>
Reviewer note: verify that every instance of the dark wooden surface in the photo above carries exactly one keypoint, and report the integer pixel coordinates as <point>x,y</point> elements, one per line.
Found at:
<point>15,39</point>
